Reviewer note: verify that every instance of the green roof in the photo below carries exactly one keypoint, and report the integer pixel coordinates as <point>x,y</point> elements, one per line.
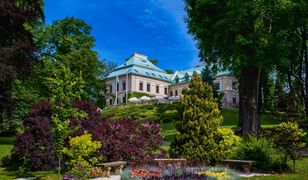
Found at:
<point>140,65</point>
<point>183,77</point>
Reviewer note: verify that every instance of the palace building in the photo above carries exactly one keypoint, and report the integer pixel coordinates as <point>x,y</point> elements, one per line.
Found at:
<point>138,74</point>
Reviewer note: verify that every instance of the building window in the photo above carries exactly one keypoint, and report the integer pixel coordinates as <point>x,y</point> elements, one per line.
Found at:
<point>141,86</point>
<point>118,87</point>
<point>124,86</point>
<point>234,85</point>
<point>124,100</point>
<point>110,101</point>
<point>176,92</point>
<point>166,91</point>
<point>171,93</point>
<point>234,100</point>
<point>117,101</point>
<point>148,87</point>
<point>110,88</point>
<point>157,88</point>
<point>217,86</point>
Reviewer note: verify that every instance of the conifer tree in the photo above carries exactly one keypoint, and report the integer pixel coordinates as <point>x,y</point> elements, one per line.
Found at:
<point>197,132</point>
<point>207,75</point>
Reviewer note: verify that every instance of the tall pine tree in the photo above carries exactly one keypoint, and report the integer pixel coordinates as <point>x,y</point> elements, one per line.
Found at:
<point>197,132</point>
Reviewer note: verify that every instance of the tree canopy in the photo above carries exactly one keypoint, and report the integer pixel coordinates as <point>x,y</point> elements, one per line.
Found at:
<point>244,36</point>
<point>69,68</point>
<point>16,45</point>
<point>68,42</point>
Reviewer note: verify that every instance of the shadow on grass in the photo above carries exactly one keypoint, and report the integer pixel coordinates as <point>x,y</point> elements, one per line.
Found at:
<point>12,174</point>
<point>231,116</point>
<point>7,140</point>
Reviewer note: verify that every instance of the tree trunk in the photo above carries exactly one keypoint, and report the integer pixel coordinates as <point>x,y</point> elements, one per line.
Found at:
<point>249,92</point>
<point>240,121</point>
<point>289,74</point>
<point>304,55</point>
<point>261,91</point>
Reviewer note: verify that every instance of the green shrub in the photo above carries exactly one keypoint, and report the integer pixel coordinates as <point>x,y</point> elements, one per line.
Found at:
<point>197,139</point>
<point>227,141</point>
<point>81,155</point>
<point>162,112</point>
<point>169,116</point>
<point>263,151</point>
<point>290,138</point>
<point>138,95</point>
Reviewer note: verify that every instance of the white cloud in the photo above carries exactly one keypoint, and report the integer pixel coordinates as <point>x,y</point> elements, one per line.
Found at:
<point>150,20</point>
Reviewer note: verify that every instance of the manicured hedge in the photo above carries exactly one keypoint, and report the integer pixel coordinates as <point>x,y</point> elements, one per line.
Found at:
<point>164,113</point>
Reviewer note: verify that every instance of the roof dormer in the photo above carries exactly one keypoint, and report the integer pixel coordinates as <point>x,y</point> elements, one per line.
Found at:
<point>141,56</point>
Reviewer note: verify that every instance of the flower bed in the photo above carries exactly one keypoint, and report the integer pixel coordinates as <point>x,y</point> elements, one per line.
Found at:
<point>154,172</point>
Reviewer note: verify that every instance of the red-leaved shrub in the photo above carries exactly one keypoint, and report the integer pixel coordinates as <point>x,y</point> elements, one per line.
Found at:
<point>94,122</point>
<point>124,139</point>
<point>34,147</point>
<point>130,140</point>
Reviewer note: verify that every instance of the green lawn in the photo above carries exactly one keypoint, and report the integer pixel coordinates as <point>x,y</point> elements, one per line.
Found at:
<point>300,173</point>
<point>6,145</point>
<point>230,116</point>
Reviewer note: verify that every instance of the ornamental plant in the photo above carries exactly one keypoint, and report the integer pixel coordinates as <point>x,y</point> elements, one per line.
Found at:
<point>34,148</point>
<point>129,140</point>
<point>227,141</point>
<point>290,138</point>
<point>263,151</point>
<point>94,123</point>
<point>124,139</point>
<point>148,173</point>
<point>81,155</point>
<point>198,138</point>
<point>171,172</point>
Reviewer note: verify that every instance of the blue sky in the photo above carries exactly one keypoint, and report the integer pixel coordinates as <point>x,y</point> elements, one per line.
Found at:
<point>155,28</point>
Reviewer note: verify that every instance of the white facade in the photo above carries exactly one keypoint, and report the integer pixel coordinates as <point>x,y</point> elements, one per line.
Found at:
<point>138,74</point>
<point>136,83</point>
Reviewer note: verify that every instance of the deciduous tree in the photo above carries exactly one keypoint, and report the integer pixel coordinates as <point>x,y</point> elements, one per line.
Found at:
<point>243,35</point>
<point>68,43</point>
<point>16,45</point>
<point>34,148</point>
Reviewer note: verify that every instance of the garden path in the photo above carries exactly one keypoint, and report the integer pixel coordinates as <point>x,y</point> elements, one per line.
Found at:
<point>113,177</point>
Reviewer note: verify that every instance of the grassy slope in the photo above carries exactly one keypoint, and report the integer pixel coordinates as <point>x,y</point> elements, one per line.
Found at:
<point>6,145</point>
<point>231,117</point>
